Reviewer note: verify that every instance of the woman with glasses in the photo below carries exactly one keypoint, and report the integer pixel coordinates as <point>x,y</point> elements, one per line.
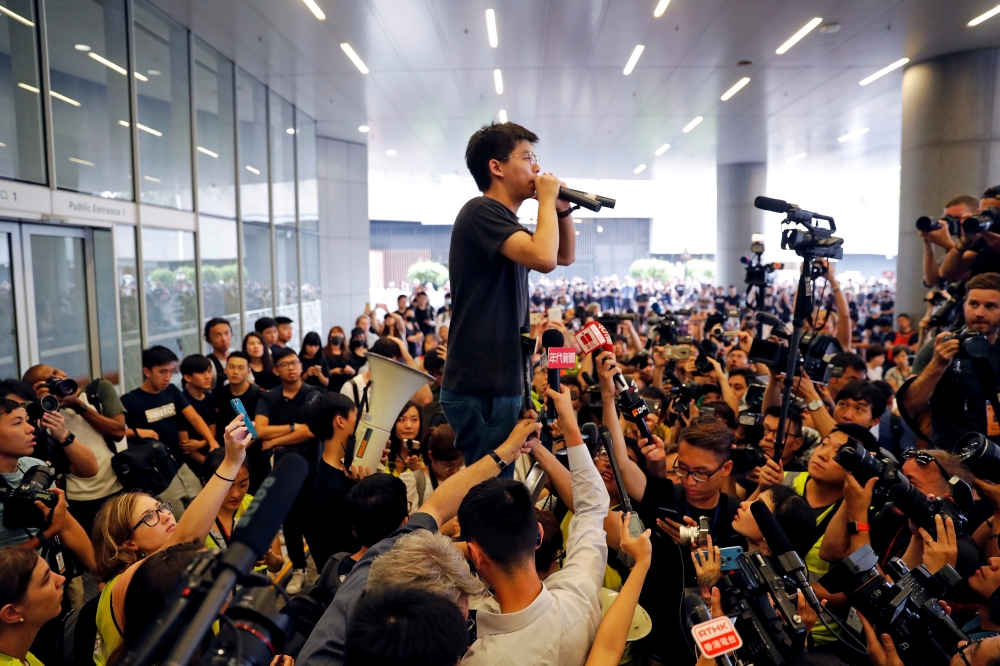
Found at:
<point>132,526</point>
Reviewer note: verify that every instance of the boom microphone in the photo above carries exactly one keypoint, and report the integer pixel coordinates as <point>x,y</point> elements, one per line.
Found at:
<point>251,539</point>
<point>773,205</point>
<point>777,326</point>
<point>777,541</point>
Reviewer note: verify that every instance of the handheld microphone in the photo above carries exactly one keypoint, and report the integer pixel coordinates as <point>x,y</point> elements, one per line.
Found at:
<point>773,205</point>
<point>605,202</point>
<point>581,199</point>
<point>251,539</point>
<point>697,612</point>
<point>635,527</point>
<point>552,338</point>
<point>781,547</point>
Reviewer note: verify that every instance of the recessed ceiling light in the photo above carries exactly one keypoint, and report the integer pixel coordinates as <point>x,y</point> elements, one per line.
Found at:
<point>853,135</point>
<point>736,88</point>
<point>82,47</point>
<point>983,17</point>
<point>502,116</point>
<point>314,8</point>
<point>630,65</point>
<point>498,81</point>
<point>662,149</point>
<point>354,58</point>
<point>153,72</point>
<point>290,130</point>
<point>795,158</point>
<point>16,17</point>
<point>806,29</point>
<point>885,70</point>
<point>364,128</point>
<point>691,125</point>
<point>491,27</point>
<point>660,8</point>
<point>390,152</point>
<point>639,169</point>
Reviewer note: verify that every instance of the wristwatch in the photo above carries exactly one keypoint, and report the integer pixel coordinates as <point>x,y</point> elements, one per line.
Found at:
<point>499,461</point>
<point>70,438</point>
<point>815,405</point>
<point>560,214</point>
<point>291,427</point>
<point>854,528</point>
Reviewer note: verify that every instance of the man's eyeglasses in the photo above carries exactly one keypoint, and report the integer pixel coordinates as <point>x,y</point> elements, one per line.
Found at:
<point>602,455</point>
<point>964,648</point>
<point>530,156</point>
<point>774,433</point>
<point>151,518</point>
<point>923,459</point>
<point>288,364</point>
<point>699,477</point>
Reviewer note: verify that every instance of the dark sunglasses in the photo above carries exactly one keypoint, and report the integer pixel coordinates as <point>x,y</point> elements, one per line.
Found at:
<point>923,459</point>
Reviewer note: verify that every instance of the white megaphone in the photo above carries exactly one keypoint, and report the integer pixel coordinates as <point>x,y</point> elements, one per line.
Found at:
<point>393,383</point>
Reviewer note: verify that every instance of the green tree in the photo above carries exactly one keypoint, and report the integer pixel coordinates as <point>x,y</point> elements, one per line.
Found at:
<point>656,269</point>
<point>702,270</point>
<point>428,271</point>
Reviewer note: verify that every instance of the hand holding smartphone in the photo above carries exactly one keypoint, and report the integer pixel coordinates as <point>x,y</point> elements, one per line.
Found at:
<point>240,409</point>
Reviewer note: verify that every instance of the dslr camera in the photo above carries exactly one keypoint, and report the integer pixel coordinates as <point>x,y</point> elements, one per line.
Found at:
<point>907,609</point>
<point>980,455</point>
<point>749,455</point>
<point>927,224</point>
<point>61,388</point>
<point>19,510</point>
<point>987,219</point>
<point>815,352</point>
<point>973,344</point>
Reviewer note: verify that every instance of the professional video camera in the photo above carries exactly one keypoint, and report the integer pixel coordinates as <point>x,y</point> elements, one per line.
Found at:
<point>256,630</point>
<point>980,455</point>
<point>987,219</point>
<point>907,609</point>
<point>927,224</point>
<point>19,508</point>
<point>815,352</point>
<point>893,487</point>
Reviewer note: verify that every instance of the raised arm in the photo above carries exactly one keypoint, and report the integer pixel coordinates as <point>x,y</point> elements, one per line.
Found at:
<point>843,311</point>
<point>632,476</point>
<point>920,390</point>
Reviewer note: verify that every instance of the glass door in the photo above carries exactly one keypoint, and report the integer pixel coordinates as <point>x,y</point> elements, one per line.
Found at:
<point>12,355</point>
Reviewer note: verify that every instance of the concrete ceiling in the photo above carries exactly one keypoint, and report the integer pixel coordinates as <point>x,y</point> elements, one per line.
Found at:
<point>431,81</point>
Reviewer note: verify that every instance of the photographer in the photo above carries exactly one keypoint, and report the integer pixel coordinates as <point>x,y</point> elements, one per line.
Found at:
<point>948,380</point>
<point>702,465</point>
<point>957,207</point>
<point>491,255</point>
<point>974,254</point>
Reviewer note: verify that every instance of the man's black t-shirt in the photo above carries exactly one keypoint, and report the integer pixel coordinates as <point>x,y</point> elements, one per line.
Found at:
<point>206,410</point>
<point>160,412</point>
<point>332,486</point>
<point>224,412</point>
<point>490,299</point>
<point>280,410</point>
<point>671,569</point>
<point>338,379</point>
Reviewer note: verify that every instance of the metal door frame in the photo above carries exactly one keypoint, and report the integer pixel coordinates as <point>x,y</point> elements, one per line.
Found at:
<point>20,307</point>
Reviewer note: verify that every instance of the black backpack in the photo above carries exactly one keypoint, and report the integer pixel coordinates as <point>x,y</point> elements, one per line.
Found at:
<point>145,465</point>
<point>308,606</point>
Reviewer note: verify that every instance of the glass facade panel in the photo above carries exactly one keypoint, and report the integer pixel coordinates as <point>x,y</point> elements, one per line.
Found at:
<point>251,105</point>
<point>312,311</point>
<point>88,60</point>
<point>8,323</point>
<point>60,291</point>
<point>22,148</point>
<point>104,287</point>
<point>282,160</point>
<point>164,96</point>
<point>220,284</point>
<point>308,186</point>
<point>257,272</point>
<point>216,151</point>
<point>287,277</point>
<point>126,276</point>
<point>171,296</point>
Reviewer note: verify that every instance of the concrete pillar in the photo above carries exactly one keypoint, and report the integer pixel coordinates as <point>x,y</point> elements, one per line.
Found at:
<point>737,219</point>
<point>950,146</point>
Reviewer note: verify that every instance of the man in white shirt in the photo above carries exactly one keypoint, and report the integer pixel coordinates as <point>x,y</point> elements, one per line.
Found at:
<point>527,621</point>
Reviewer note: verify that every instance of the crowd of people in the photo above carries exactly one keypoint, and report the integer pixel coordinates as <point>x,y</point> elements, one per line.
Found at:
<point>515,545</point>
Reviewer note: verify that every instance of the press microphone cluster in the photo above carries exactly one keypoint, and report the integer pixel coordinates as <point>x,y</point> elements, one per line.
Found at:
<point>781,548</point>
<point>586,200</point>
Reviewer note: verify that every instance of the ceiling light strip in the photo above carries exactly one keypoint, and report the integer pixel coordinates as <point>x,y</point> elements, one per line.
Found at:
<point>68,100</point>
<point>735,89</point>
<point>314,8</point>
<point>206,151</point>
<point>795,158</point>
<point>662,149</point>
<point>885,70</point>
<point>354,58</point>
<point>660,8</point>
<point>691,125</point>
<point>639,169</point>
<point>853,135</point>
<point>18,17</point>
<point>630,65</point>
<point>984,17</point>
<point>491,27</point>
<point>502,116</point>
<point>498,81</point>
<point>806,29</point>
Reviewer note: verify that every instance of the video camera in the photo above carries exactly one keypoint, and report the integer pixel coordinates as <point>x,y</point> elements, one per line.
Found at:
<point>907,609</point>
<point>812,241</point>
<point>893,487</point>
<point>19,510</point>
<point>815,352</point>
<point>928,224</point>
<point>256,630</point>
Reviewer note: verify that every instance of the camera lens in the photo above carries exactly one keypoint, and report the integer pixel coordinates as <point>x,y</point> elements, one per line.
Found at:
<point>926,224</point>
<point>855,459</point>
<point>980,455</point>
<point>49,403</point>
<point>62,387</point>
<point>976,346</point>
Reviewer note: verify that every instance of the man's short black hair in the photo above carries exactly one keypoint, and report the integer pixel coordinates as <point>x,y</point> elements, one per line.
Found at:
<point>874,351</point>
<point>194,364</point>
<point>794,416</point>
<point>281,353</point>
<point>17,389</point>
<point>862,390</point>
<point>321,412</point>
<point>405,627</point>
<point>433,364</point>
<point>156,356</point>
<point>263,324</point>
<point>240,354</point>
<point>493,142</point>
<point>282,320</point>
<point>388,348</point>
<point>992,193</point>
<point>746,373</point>
<point>376,505</point>
<point>499,517</point>
<point>848,360</point>
<point>213,322</point>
